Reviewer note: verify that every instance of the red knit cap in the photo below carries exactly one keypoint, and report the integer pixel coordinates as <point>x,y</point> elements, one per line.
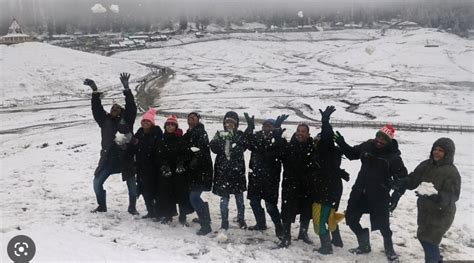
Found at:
<point>149,115</point>
<point>388,130</point>
<point>172,119</point>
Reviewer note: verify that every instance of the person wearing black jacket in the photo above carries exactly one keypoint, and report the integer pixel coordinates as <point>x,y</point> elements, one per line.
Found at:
<point>328,186</point>
<point>146,140</point>
<point>199,169</point>
<point>116,130</point>
<point>382,164</point>
<point>297,186</point>
<point>265,171</point>
<point>173,188</point>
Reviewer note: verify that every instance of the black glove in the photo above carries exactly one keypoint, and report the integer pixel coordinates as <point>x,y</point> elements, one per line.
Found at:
<point>394,201</point>
<point>327,113</point>
<point>278,132</point>
<point>280,119</point>
<point>124,77</point>
<point>165,171</point>
<point>339,139</point>
<point>250,121</point>
<point>344,175</point>
<point>180,168</point>
<point>90,83</point>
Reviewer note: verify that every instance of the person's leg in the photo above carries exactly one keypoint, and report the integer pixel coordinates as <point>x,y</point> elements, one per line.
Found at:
<point>132,195</point>
<point>305,217</point>
<point>239,202</point>
<point>354,213</point>
<point>387,240</point>
<point>432,253</point>
<point>259,213</point>
<point>100,193</point>
<point>224,206</point>
<point>272,210</point>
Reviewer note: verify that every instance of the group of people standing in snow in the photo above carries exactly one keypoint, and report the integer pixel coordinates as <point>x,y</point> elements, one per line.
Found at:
<point>171,169</point>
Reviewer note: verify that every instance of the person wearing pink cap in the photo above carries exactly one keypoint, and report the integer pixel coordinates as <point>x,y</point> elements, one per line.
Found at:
<point>146,141</point>
<point>381,166</point>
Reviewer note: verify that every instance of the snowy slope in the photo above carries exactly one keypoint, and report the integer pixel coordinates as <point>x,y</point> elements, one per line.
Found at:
<point>49,150</point>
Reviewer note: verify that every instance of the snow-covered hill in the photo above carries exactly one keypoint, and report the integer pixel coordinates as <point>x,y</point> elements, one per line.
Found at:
<point>50,143</point>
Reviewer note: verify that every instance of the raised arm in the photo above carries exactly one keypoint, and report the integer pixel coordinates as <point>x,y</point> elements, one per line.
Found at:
<point>130,112</point>
<point>97,109</point>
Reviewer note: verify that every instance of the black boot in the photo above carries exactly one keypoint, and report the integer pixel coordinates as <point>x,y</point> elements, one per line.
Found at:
<point>279,230</point>
<point>205,221</point>
<point>286,240</point>
<point>182,220</point>
<point>102,204</point>
<point>326,246</point>
<point>150,208</point>
<point>132,206</point>
<point>303,234</point>
<point>389,251</point>
<point>261,222</point>
<point>364,243</point>
<point>336,238</point>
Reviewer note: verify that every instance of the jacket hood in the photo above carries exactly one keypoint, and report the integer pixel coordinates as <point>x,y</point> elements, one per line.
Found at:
<point>231,115</point>
<point>449,150</point>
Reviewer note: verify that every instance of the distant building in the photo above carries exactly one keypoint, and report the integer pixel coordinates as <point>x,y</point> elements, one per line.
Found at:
<point>15,35</point>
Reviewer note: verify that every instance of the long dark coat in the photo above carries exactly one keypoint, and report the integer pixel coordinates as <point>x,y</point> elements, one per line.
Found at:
<point>265,166</point>
<point>229,170</point>
<point>173,190</point>
<point>298,179</point>
<point>435,215</point>
<point>119,159</point>
<point>380,167</point>
<point>199,163</point>
<point>328,178</point>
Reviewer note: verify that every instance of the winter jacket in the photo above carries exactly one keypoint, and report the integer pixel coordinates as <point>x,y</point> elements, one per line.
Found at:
<point>198,163</point>
<point>144,151</point>
<point>328,178</point>
<point>111,154</point>
<point>380,167</point>
<point>229,166</point>
<point>265,166</point>
<point>436,213</point>
<point>298,178</point>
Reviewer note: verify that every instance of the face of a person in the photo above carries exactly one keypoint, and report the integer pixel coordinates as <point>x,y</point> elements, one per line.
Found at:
<point>116,110</point>
<point>302,133</point>
<point>146,124</point>
<point>229,124</point>
<point>170,127</point>
<point>267,128</point>
<point>438,153</point>
<point>193,120</point>
<point>380,142</point>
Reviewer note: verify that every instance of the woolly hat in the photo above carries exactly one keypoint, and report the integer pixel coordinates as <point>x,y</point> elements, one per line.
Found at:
<point>387,132</point>
<point>149,115</point>
<point>172,119</point>
<point>232,115</point>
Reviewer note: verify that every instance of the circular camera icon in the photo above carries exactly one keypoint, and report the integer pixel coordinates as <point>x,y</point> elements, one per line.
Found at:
<point>21,249</point>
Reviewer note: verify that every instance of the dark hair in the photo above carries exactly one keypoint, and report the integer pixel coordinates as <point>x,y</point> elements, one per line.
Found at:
<point>195,113</point>
<point>303,125</point>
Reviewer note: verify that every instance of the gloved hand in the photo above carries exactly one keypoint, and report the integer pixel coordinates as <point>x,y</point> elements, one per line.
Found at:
<point>90,83</point>
<point>277,133</point>
<point>124,77</point>
<point>280,119</point>
<point>339,139</point>
<point>250,121</point>
<point>165,171</point>
<point>394,201</point>
<point>180,168</point>
<point>327,113</point>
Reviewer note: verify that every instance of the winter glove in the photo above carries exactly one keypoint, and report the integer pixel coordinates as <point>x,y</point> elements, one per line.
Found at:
<point>327,113</point>
<point>90,83</point>
<point>280,119</point>
<point>180,168</point>
<point>277,133</point>
<point>394,201</point>
<point>124,77</point>
<point>339,139</point>
<point>165,171</point>
<point>250,122</point>
<point>344,175</point>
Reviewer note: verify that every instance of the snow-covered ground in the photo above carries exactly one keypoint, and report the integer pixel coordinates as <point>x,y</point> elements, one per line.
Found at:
<point>50,143</point>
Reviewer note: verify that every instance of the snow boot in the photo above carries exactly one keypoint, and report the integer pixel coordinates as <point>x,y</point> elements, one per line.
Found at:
<point>132,206</point>
<point>303,234</point>
<point>182,220</point>
<point>326,246</point>
<point>336,238</point>
<point>261,222</point>
<point>102,204</point>
<point>166,220</point>
<point>241,219</point>
<point>286,240</point>
<point>389,251</point>
<point>364,243</point>
<point>150,208</point>
<point>205,221</point>
<point>279,230</point>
